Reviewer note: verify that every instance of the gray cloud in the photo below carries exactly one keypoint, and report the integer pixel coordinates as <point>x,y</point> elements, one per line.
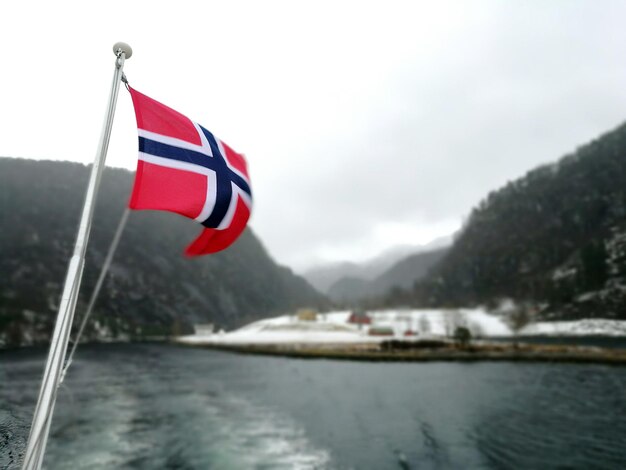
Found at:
<point>513,91</point>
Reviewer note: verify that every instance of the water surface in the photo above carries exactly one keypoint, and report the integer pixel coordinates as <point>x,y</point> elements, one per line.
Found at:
<point>159,406</point>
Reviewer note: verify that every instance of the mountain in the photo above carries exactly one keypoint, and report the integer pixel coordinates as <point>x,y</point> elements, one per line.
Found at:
<point>405,272</point>
<point>554,240</point>
<point>151,289</point>
<point>348,290</point>
<point>324,277</point>
<point>402,275</point>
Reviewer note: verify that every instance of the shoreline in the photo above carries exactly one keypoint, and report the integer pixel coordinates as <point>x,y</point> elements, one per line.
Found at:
<point>378,352</point>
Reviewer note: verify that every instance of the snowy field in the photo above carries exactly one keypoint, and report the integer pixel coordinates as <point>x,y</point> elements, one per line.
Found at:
<point>333,327</point>
<point>589,326</point>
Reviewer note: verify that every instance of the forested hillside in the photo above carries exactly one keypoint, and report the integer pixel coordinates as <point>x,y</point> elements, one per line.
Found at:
<point>554,240</point>
<point>152,287</point>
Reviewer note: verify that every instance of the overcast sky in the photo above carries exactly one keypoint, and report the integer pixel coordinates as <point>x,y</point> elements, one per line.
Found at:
<point>365,124</point>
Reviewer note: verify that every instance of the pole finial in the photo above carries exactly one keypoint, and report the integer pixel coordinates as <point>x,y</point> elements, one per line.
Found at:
<point>122,47</point>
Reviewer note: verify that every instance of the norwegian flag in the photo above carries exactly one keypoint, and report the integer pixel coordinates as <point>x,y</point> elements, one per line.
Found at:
<point>183,168</point>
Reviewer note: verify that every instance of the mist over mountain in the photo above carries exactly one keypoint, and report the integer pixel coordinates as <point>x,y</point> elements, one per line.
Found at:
<point>151,289</point>
<point>401,275</point>
<point>554,240</point>
<point>324,277</point>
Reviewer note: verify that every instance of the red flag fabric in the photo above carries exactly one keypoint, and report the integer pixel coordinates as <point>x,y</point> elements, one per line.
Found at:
<point>184,168</point>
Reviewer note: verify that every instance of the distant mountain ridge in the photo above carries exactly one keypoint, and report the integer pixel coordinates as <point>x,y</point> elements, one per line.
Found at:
<point>324,277</point>
<point>401,275</point>
<point>152,289</point>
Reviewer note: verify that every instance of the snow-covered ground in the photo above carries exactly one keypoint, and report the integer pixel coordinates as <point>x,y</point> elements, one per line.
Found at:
<point>589,326</point>
<point>333,327</point>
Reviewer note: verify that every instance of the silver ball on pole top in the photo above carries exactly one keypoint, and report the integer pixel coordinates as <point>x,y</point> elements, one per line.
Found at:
<point>122,47</point>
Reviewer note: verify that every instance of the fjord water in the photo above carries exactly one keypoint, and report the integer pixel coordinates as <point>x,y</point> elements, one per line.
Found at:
<point>151,406</point>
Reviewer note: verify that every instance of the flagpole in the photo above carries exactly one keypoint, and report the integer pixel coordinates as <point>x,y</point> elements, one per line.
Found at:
<point>40,428</point>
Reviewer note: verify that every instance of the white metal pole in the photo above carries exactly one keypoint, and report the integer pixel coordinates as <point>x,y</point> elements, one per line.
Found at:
<point>35,449</point>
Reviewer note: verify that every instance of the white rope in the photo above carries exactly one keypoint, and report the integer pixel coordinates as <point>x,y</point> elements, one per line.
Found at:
<point>96,291</point>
